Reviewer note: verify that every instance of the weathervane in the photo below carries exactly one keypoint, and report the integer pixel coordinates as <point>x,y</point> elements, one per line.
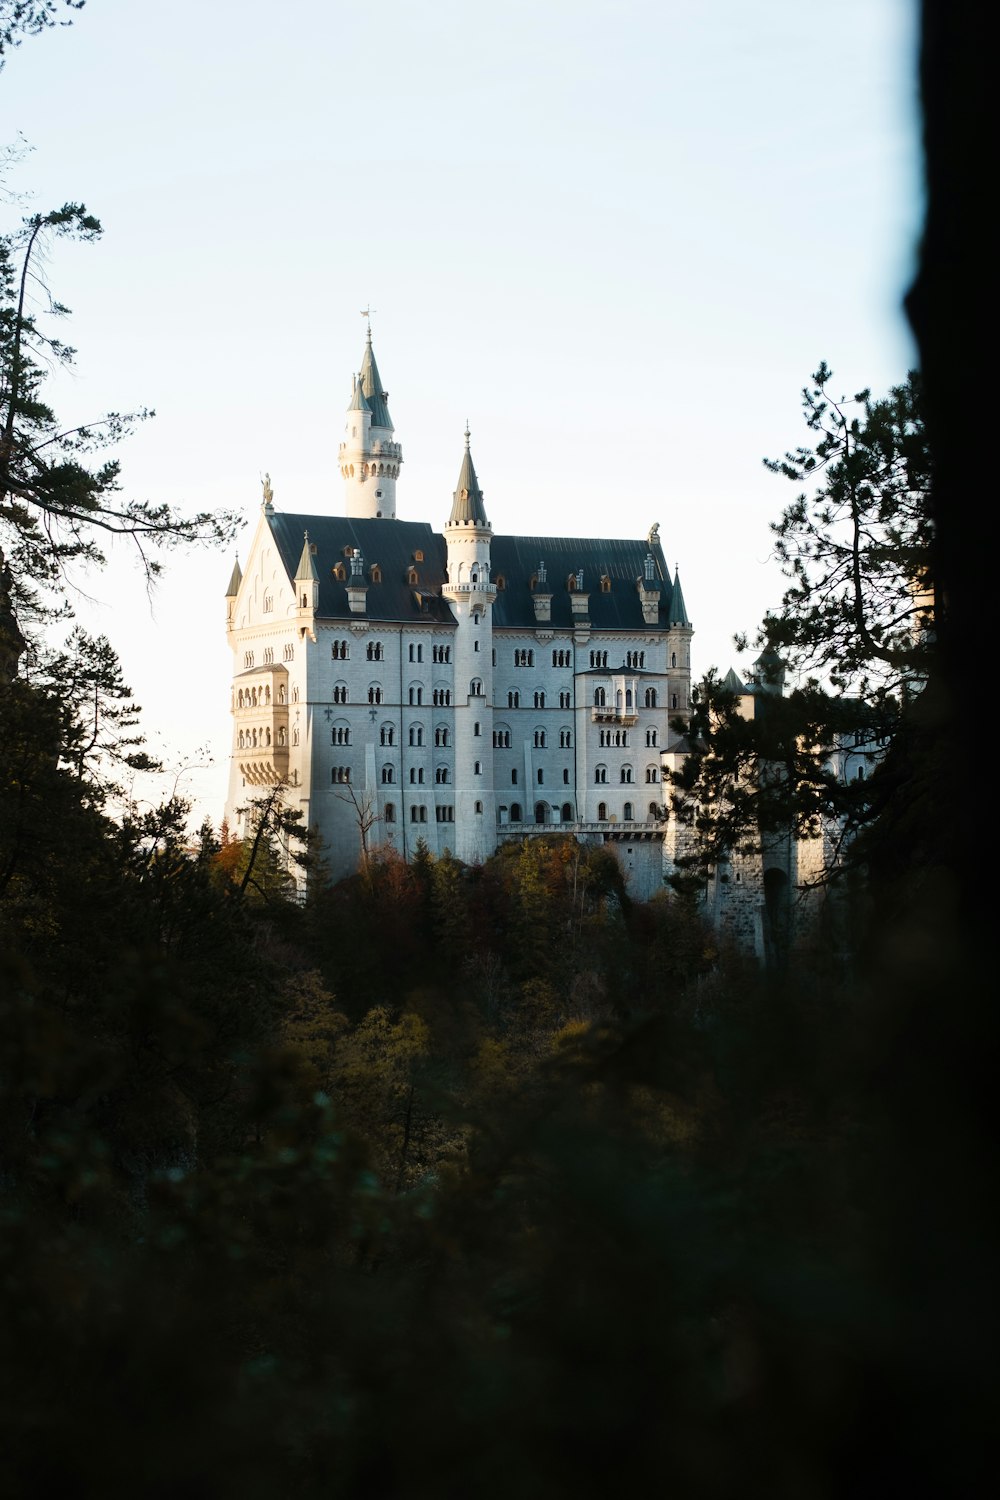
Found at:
<point>366,313</point>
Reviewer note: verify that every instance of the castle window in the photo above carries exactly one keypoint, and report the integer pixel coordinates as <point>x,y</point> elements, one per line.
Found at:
<point>387,735</point>
<point>636,659</point>
<point>651,698</point>
<point>598,658</point>
<point>566,812</point>
<point>416,697</point>
<point>626,774</point>
<point>654,811</point>
<point>514,699</point>
<point>477,769</point>
<point>600,698</point>
<point>289,653</point>
<point>340,573</point>
<point>441,735</point>
<point>628,813</point>
<point>501,583</point>
<point>479,809</point>
<point>442,697</point>
<point>477,730</point>
<point>601,775</point>
<point>374,693</point>
<point>340,774</point>
<point>388,775</point>
<point>441,776</point>
<point>416,652</point>
<point>248,658</point>
<point>418,556</point>
<point>268,603</point>
<point>673,658</point>
<point>416,775</point>
<point>565,776</point>
<point>513,776</point>
<point>540,776</point>
<point>340,734</point>
<point>304,600</point>
<point>295,695</point>
<point>560,658</point>
<point>390,813</point>
<point>565,739</point>
<point>444,814</point>
<point>375,574</point>
<point>341,650</point>
<point>295,735</point>
<point>340,692</point>
<point>652,773</point>
<point>412,576</point>
<point>564,700</point>
<point>539,739</point>
<point>418,815</point>
<point>539,700</point>
<point>673,700</point>
<point>602,812</point>
<point>442,653</point>
<point>605,584</point>
<point>515,812</point>
<point>376,651</point>
<point>416,734</point>
<point>282,692</point>
<point>524,658</point>
<point>652,737</point>
<point>501,739</point>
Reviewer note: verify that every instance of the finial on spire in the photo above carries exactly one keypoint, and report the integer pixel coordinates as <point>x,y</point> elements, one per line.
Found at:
<point>366,313</point>
<point>468,434</point>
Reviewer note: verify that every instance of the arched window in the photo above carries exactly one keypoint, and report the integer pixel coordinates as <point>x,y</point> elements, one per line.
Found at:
<point>387,735</point>
<point>565,739</point>
<point>539,700</point>
<point>626,774</point>
<point>340,572</point>
<point>628,697</point>
<point>650,697</point>
<point>539,739</point>
<point>341,650</point>
<point>652,774</point>
<point>388,775</point>
<point>376,651</point>
<point>340,734</point>
<point>268,656</point>
<point>282,693</point>
<point>441,735</point>
<point>282,736</point>
<point>566,812</point>
<point>375,574</point>
<point>374,693</point>
<point>441,776</point>
<point>477,768</point>
<point>477,732</point>
<point>673,700</point>
<point>295,735</point>
<point>416,734</point>
<point>602,812</point>
<point>340,692</point>
<point>627,813</point>
<point>416,697</point>
<point>289,653</point>
<point>540,776</point>
<point>541,812</point>
<point>654,810</point>
<point>501,583</point>
<point>340,774</point>
<point>514,699</point>
<point>600,698</point>
<point>479,808</point>
<point>651,737</point>
<point>601,775</point>
<point>390,813</point>
<point>248,658</point>
<point>515,812</point>
<point>476,688</point>
<point>513,776</point>
<point>412,577</point>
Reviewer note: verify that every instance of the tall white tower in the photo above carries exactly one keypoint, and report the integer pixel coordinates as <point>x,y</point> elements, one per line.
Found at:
<point>369,457</point>
<point>471,594</point>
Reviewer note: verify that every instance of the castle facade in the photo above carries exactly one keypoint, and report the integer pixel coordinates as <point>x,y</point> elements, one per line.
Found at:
<point>458,686</point>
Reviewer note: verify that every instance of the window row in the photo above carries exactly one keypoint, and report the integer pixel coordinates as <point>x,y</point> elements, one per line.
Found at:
<point>625,774</point>
<point>543,813</point>
<point>260,739</point>
<point>627,699</point>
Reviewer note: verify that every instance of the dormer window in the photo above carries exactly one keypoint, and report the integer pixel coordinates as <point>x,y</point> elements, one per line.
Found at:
<point>418,556</point>
<point>340,573</point>
<point>605,584</point>
<point>375,573</point>
<point>412,577</point>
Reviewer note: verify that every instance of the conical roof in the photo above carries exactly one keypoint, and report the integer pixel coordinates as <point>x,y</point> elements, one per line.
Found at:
<point>732,683</point>
<point>371,381</point>
<point>235,579</point>
<point>307,567</point>
<point>359,401</point>
<point>678,609</point>
<point>467,506</point>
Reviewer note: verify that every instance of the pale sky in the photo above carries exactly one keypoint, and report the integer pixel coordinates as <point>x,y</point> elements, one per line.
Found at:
<point>618,237</point>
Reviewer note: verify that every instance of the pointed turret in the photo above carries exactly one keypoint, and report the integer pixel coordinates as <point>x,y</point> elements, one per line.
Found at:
<point>733,684</point>
<point>371,382</point>
<point>467,506</point>
<point>306,570</point>
<point>235,579</point>
<point>678,610</point>
<point>369,455</point>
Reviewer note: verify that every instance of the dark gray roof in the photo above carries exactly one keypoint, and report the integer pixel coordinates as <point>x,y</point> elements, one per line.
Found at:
<point>467,505</point>
<point>732,683</point>
<point>393,545</point>
<point>516,559</point>
<point>371,381</point>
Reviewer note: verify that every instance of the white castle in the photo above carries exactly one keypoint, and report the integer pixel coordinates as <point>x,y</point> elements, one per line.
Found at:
<point>460,687</point>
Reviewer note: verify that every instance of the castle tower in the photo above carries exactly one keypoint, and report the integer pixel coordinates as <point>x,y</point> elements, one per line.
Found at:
<point>369,457</point>
<point>471,594</point>
<point>679,633</point>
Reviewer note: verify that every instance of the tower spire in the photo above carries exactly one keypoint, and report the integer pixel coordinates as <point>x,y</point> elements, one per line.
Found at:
<point>467,505</point>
